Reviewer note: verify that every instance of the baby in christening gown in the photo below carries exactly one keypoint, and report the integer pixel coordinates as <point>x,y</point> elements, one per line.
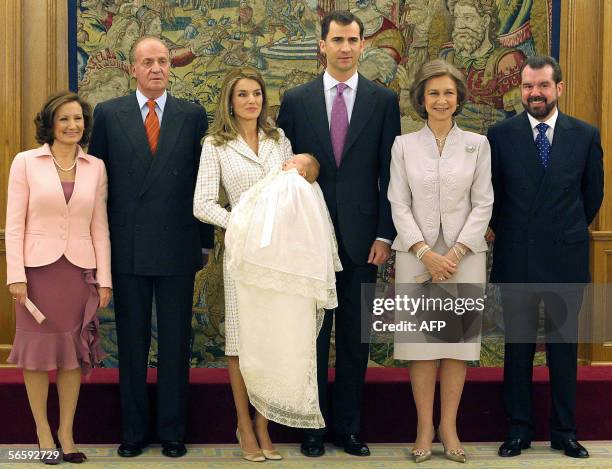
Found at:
<point>283,256</point>
<point>305,164</point>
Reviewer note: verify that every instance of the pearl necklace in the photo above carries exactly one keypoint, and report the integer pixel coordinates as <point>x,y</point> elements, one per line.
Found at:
<point>65,169</point>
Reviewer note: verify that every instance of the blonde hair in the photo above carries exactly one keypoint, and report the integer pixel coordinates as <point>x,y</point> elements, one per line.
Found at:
<point>224,126</point>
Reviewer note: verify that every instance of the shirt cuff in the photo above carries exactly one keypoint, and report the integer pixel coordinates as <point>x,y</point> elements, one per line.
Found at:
<point>384,240</point>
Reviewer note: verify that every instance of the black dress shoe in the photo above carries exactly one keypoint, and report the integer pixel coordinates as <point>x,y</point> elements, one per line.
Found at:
<point>74,458</point>
<point>352,444</point>
<point>513,446</point>
<point>173,449</point>
<point>312,446</point>
<point>571,448</point>
<point>130,450</point>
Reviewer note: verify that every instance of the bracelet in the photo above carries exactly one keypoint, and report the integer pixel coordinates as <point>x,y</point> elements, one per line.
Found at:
<point>461,250</point>
<point>458,254</point>
<point>421,252</point>
<point>425,251</point>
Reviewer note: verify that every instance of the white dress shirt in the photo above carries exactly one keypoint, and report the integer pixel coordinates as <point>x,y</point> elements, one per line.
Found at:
<point>550,122</point>
<point>160,103</point>
<point>349,94</point>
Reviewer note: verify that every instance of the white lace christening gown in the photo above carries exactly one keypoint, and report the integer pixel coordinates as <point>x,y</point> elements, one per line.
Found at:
<point>282,253</point>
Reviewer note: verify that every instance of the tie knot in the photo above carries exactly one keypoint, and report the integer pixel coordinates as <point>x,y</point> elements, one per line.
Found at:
<point>542,127</point>
<point>341,87</point>
<point>151,105</point>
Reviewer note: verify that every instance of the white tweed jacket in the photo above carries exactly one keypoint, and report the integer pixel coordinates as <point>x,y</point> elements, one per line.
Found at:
<point>454,189</point>
<point>236,167</point>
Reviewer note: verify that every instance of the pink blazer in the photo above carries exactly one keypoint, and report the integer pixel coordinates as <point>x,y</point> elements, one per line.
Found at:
<point>41,227</point>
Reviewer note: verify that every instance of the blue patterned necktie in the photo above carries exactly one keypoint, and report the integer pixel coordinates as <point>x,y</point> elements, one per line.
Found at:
<point>542,144</point>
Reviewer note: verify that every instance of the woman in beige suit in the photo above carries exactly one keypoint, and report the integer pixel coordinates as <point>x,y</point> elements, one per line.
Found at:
<point>441,200</point>
<point>241,148</point>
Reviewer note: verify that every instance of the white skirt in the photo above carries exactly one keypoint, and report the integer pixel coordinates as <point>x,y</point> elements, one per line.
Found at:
<point>472,270</point>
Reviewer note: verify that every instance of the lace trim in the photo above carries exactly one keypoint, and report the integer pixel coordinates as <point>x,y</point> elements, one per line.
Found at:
<point>283,282</point>
<point>324,292</point>
<point>286,417</point>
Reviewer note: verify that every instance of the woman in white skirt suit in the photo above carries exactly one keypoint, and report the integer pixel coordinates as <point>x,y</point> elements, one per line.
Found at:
<point>241,148</point>
<point>441,200</point>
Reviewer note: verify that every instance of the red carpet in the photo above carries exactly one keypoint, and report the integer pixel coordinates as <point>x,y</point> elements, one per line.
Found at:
<point>389,413</point>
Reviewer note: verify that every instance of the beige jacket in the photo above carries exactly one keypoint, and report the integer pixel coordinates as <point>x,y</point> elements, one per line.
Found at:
<point>453,189</point>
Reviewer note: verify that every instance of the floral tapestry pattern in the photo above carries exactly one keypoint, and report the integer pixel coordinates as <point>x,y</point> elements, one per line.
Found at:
<point>487,39</point>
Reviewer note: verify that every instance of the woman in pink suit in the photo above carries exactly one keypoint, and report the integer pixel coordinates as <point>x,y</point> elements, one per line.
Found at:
<point>58,262</point>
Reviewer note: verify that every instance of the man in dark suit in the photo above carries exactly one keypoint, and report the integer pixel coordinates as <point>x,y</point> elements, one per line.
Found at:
<point>548,182</point>
<point>150,143</point>
<point>349,124</point>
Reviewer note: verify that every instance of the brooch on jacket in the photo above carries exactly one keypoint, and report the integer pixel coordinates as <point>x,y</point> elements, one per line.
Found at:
<point>470,148</point>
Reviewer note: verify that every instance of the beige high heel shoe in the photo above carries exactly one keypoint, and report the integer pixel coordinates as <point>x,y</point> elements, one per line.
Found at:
<point>457,454</point>
<point>421,455</point>
<point>255,456</point>
<point>272,454</point>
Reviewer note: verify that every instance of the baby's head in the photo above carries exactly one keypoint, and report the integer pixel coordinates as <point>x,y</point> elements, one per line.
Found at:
<point>306,164</point>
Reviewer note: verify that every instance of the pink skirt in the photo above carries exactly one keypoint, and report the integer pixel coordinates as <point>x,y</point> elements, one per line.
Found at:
<point>68,337</point>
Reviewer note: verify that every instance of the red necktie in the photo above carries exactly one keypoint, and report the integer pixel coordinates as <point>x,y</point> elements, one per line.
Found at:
<point>152,126</point>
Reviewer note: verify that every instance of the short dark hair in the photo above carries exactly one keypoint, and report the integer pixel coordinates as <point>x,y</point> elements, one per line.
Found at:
<point>537,62</point>
<point>44,119</point>
<point>433,69</point>
<point>343,17</point>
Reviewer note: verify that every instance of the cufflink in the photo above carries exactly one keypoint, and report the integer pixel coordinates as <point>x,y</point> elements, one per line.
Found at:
<point>470,148</point>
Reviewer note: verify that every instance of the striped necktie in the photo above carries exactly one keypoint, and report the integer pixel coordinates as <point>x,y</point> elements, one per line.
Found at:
<point>152,126</point>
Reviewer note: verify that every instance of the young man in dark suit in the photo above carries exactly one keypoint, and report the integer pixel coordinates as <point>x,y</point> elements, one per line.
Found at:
<point>349,124</point>
<point>150,143</point>
<point>548,182</point>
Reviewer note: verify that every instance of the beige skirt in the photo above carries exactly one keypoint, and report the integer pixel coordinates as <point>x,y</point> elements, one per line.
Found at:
<point>472,270</point>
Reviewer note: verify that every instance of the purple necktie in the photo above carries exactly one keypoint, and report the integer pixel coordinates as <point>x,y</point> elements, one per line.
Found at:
<point>339,123</point>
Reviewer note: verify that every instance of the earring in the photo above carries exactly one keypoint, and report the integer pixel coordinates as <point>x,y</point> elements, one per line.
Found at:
<point>231,110</point>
